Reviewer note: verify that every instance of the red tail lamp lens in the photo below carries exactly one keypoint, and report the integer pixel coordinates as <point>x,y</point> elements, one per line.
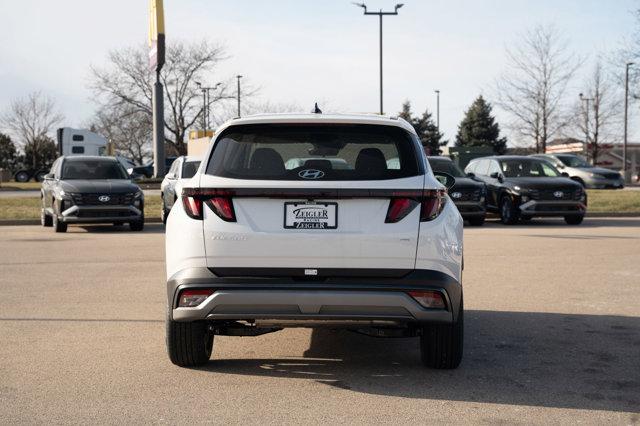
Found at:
<point>428,299</point>
<point>223,207</point>
<point>432,204</point>
<point>399,208</point>
<point>218,200</point>
<point>191,298</point>
<point>193,207</point>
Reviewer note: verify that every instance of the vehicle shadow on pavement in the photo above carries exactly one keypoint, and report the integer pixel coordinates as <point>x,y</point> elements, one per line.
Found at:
<point>521,358</point>
<point>589,222</point>
<point>149,228</point>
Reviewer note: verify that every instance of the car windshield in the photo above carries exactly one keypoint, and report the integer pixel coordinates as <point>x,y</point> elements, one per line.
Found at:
<point>327,152</point>
<point>573,161</point>
<point>527,168</point>
<point>189,169</point>
<point>93,169</point>
<point>445,166</point>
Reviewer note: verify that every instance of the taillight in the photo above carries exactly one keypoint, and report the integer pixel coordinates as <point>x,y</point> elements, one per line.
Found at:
<point>192,206</point>
<point>193,297</point>
<point>432,204</point>
<point>218,200</point>
<point>399,208</point>
<point>428,299</point>
<point>223,207</point>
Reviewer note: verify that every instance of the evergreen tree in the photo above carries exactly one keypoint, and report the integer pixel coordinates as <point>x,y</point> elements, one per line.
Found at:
<point>7,153</point>
<point>426,129</point>
<point>40,154</point>
<point>479,128</point>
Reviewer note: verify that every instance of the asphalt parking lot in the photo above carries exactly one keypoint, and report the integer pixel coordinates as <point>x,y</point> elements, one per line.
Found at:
<point>552,336</point>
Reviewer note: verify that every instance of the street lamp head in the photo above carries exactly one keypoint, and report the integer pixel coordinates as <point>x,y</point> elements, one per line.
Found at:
<point>437,91</point>
<point>581,95</point>
<point>630,63</point>
<point>362,5</point>
<point>198,84</point>
<point>398,6</point>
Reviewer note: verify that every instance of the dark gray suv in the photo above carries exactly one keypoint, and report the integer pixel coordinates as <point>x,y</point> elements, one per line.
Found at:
<point>84,189</point>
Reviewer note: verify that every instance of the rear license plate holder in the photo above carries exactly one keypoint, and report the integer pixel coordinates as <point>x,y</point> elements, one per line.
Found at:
<point>310,215</point>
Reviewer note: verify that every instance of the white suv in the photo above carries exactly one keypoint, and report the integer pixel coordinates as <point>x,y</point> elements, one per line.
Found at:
<point>261,241</point>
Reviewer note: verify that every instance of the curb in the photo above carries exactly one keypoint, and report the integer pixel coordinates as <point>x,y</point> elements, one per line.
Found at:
<point>30,222</point>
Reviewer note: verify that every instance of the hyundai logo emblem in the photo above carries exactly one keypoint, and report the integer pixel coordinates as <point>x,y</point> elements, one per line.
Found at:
<point>311,174</point>
<point>104,198</point>
<point>456,195</point>
<point>558,194</point>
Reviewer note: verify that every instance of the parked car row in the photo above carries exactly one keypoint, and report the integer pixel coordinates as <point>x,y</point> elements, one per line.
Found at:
<point>515,187</point>
<point>82,189</point>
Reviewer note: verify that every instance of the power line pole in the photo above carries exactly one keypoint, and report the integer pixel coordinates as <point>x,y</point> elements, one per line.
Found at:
<point>438,110</point>
<point>626,120</point>
<point>239,77</point>
<point>380,15</point>
<point>586,124</point>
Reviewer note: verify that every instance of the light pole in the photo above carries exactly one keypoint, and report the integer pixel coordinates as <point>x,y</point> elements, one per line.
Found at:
<point>238,77</point>
<point>380,15</point>
<point>586,124</point>
<point>437,110</point>
<point>626,120</point>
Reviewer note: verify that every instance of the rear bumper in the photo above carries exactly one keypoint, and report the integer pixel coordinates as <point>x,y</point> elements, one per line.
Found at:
<point>100,214</point>
<point>592,183</point>
<point>552,208</point>
<point>348,298</point>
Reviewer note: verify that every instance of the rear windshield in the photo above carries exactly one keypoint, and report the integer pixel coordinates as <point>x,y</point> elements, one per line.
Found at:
<point>93,169</point>
<point>314,152</point>
<point>189,169</point>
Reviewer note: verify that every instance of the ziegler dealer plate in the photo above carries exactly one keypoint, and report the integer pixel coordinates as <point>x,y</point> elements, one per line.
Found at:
<point>310,215</point>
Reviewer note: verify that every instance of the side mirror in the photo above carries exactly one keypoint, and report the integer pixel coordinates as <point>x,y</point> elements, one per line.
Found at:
<point>445,179</point>
<point>170,176</point>
<point>49,176</point>
<point>564,174</point>
<point>560,165</point>
<point>471,175</point>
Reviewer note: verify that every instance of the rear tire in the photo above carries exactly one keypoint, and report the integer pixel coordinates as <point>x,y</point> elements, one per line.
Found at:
<point>573,220</point>
<point>45,219</point>
<point>22,176</point>
<point>441,344</point>
<point>189,344</point>
<point>477,221</point>
<point>509,214</point>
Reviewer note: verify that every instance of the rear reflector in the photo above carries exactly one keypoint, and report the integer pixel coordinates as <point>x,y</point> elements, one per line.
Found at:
<point>191,298</point>
<point>428,299</point>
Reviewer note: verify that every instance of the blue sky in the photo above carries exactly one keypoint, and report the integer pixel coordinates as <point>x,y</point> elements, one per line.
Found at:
<point>302,51</point>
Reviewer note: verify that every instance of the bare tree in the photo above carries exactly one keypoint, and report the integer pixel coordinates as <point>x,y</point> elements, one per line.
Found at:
<point>128,128</point>
<point>128,81</point>
<point>604,110</point>
<point>30,120</point>
<point>532,88</point>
